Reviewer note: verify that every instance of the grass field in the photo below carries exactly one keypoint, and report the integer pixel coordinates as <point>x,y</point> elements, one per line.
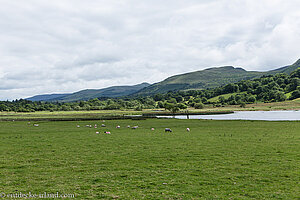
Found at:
<point>216,160</point>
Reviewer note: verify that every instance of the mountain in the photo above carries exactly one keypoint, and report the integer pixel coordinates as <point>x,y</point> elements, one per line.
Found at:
<point>210,78</point>
<point>114,91</point>
<point>46,97</point>
<point>287,69</point>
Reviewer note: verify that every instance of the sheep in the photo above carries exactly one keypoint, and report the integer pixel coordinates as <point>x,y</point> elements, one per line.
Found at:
<point>152,129</point>
<point>35,125</point>
<point>128,126</point>
<point>107,132</point>
<point>78,126</point>
<point>118,126</point>
<point>97,132</point>
<point>103,125</point>
<point>168,130</point>
<point>188,129</point>
<point>134,127</point>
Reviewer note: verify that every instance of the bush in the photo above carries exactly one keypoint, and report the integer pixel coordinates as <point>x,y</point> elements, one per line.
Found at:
<point>243,105</point>
<point>295,95</point>
<point>199,105</point>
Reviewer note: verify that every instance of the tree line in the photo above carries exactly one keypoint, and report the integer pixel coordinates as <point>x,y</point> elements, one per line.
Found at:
<point>270,88</point>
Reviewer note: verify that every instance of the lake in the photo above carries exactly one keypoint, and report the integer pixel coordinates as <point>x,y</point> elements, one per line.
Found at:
<point>280,115</point>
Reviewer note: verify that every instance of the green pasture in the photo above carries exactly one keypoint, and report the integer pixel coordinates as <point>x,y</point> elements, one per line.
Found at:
<point>216,160</point>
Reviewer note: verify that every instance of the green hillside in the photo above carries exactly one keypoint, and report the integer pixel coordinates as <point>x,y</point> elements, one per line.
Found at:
<point>210,78</point>
<point>287,69</point>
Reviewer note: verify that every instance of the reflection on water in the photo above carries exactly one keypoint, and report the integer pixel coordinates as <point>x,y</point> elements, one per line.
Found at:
<point>282,115</point>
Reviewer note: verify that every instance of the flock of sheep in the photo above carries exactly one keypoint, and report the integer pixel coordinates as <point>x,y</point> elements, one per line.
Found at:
<point>128,126</point>
<point>118,126</point>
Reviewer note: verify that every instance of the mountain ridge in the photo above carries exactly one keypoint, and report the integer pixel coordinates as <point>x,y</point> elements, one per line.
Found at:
<point>201,79</point>
<point>86,94</point>
<point>210,78</point>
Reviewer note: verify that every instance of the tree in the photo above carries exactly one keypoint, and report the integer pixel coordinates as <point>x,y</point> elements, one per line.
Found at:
<point>3,107</point>
<point>172,107</point>
<point>199,105</point>
<point>251,99</point>
<point>231,88</point>
<point>243,105</point>
<point>295,95</point>
<point>182,106</point>
<point>296,73</point>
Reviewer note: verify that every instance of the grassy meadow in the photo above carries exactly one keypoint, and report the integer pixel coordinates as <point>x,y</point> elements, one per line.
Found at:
<point>216,160</point>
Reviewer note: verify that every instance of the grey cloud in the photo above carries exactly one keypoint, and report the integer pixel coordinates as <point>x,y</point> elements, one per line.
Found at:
<point>68,45</point>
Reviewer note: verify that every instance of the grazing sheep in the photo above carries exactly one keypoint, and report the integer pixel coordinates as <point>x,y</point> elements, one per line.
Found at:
<point>118,126</point>
<point>35,125</point>
<point>128,126</point>
<point>134,127</point>
<point>188,129</point>
<point>103,125</point>
<point>97,132</point>
<point>107,132</point>
<point>168,130</point>
<point>152,129</point>
<point>78,126</point>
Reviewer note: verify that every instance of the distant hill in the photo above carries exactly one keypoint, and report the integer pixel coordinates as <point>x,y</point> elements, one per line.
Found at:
<point>210,78</point>
<point>114,91</point>
<point>46,97</point>
<point>287,69</point>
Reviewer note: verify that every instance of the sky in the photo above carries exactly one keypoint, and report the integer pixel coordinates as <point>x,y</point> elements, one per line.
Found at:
<point>63,46</point>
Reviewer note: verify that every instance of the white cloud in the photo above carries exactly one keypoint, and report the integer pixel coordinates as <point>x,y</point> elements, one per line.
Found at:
<point>67,45</point>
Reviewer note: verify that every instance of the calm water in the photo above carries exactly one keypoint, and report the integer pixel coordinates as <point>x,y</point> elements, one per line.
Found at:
<point>286,115</point>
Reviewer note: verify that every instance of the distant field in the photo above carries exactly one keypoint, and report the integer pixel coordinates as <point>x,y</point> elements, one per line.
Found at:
<point>216,160</point>
<point>66,114</point>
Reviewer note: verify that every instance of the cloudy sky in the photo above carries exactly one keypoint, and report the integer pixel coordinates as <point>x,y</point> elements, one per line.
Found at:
<point>63,46</point>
